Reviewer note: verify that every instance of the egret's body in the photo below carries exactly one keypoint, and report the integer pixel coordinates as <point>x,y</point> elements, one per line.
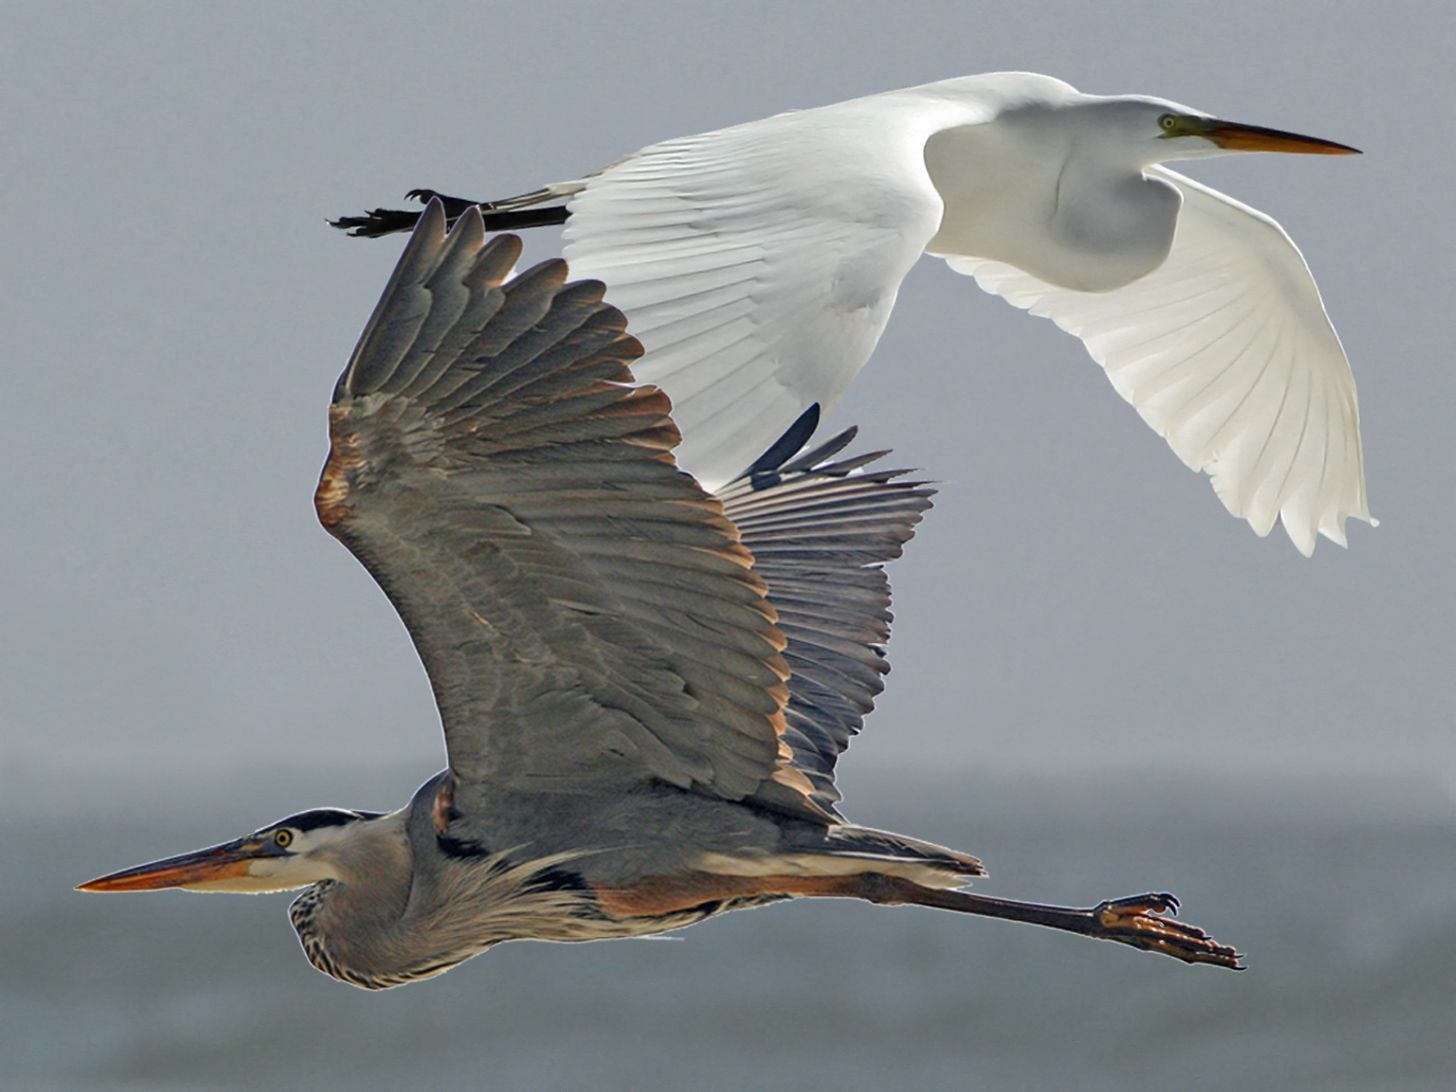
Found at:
<point>644,686</point>
<point>758,265</point>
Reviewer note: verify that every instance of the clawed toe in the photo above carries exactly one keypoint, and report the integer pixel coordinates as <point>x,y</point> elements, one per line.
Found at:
<point>376,222</point>
<point>1135,921</point>
<point>1160,902</point>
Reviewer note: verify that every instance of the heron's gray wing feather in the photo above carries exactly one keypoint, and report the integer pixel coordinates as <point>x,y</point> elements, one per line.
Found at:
<point>820,530</point>
<point>585,612</point>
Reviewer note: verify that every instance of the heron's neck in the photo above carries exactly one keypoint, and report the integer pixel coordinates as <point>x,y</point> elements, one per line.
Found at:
<point>353,927</point>
<point>397,915</point>
<point>1029,194</point>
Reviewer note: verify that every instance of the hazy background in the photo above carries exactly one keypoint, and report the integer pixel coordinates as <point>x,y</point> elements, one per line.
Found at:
<point>1102,683</point>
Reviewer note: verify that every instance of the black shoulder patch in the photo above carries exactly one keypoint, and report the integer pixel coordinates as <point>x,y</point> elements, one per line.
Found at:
<point>452,846</point>
<point>324,817</point>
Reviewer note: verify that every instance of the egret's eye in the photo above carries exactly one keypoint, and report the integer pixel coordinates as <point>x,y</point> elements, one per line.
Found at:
<point>1168,123</point>
<point>283,838</point>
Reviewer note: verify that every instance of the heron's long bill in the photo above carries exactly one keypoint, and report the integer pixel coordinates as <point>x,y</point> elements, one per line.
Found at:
<point>1236,137</point>
<point>216,864</point>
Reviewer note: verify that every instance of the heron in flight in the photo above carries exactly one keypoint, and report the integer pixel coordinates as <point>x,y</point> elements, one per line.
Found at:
<point>644,686</point>
<point>758,265</point>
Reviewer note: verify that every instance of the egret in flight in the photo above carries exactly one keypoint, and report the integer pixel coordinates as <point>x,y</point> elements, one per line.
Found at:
<point>644,686</point>
<point>758,265</point>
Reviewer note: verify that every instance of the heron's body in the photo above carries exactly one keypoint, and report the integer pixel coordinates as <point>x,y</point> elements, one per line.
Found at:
<point>644,687</point>
<point>405,901</point>
<point>758,265</point>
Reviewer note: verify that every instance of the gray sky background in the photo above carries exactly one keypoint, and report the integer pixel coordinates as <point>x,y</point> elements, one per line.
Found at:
<point>175,314</point>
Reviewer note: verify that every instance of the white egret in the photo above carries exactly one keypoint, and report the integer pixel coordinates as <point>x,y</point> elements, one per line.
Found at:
<point>758,265</point>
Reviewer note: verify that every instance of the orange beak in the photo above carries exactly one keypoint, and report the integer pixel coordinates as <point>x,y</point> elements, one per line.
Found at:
<point>197,869</point>
<point>1255,138</point>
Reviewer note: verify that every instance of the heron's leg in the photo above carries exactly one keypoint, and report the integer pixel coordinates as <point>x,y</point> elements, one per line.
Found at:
<point>454,206</point>
<point>377,222</point>
<point>1137,921</point>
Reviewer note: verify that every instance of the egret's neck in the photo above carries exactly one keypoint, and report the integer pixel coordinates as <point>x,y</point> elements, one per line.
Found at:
<point>1038,194</point>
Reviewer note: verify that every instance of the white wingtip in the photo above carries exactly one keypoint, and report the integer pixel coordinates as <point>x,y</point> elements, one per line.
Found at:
<point>1302,537</point>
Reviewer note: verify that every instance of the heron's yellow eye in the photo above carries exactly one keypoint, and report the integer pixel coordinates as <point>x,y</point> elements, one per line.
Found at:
<point>1168,122</point>
<point>283,838</point>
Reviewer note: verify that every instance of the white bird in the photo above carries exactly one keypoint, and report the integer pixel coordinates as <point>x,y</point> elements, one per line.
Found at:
<point>758,265</point>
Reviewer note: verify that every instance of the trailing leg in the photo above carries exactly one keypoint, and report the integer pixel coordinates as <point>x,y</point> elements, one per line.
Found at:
<point>513,214</point>
<point>1137,921</point>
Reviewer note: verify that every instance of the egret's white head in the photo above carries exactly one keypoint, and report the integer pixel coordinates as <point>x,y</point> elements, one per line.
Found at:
<point>1161,130</point>
<point>294,852</point>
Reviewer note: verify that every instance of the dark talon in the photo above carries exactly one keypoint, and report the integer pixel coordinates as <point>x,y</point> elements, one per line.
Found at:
<point>1157,902</point>
<point>376,222</point>
<point>1145,921</point>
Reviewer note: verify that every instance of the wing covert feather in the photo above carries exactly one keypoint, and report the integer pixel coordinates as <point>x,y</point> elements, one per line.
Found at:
<point>758,264</point>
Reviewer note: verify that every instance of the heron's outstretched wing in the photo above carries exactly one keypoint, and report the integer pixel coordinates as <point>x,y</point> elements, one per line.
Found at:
<point>820,528</point>
<point>1227,352</point>
<point>586,613</point>
<point>758,264</point>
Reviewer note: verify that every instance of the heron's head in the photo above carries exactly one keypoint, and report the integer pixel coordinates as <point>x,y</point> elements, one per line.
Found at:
<point>1163,130</point>
<point>294,852</point>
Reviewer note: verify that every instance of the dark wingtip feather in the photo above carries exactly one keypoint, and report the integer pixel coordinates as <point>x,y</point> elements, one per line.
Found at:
<point>826,451</point>
<point>761,473</point>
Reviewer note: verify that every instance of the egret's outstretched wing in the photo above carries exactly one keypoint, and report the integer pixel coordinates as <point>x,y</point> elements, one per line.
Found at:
<point>820,528</point>
<point>585,612</point>
<point>758,264</point>
<point>1227,352</point>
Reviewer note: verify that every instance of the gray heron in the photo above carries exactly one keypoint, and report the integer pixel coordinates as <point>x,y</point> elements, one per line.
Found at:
<point>758,265</point>
<point>644,686</point>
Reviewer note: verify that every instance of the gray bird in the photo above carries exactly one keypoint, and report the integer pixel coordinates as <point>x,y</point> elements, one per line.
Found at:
<point>644,686</point>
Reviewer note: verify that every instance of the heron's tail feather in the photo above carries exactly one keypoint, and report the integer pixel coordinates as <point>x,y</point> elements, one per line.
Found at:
<point>844,852</point>
<point>925,862</point>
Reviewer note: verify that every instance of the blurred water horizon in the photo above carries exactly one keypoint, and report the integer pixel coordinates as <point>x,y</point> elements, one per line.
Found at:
<point>1340,894</point>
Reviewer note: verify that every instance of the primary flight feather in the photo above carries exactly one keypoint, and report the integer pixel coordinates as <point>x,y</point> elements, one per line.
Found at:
<point>758,265</point>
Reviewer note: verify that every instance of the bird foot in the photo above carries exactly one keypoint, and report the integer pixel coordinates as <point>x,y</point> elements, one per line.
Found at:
<point>1138,921</point>
<point>377,222</point>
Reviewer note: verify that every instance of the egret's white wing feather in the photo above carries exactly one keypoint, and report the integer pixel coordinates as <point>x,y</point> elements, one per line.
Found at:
<point>1226,351</point>
<point>758,264</point>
